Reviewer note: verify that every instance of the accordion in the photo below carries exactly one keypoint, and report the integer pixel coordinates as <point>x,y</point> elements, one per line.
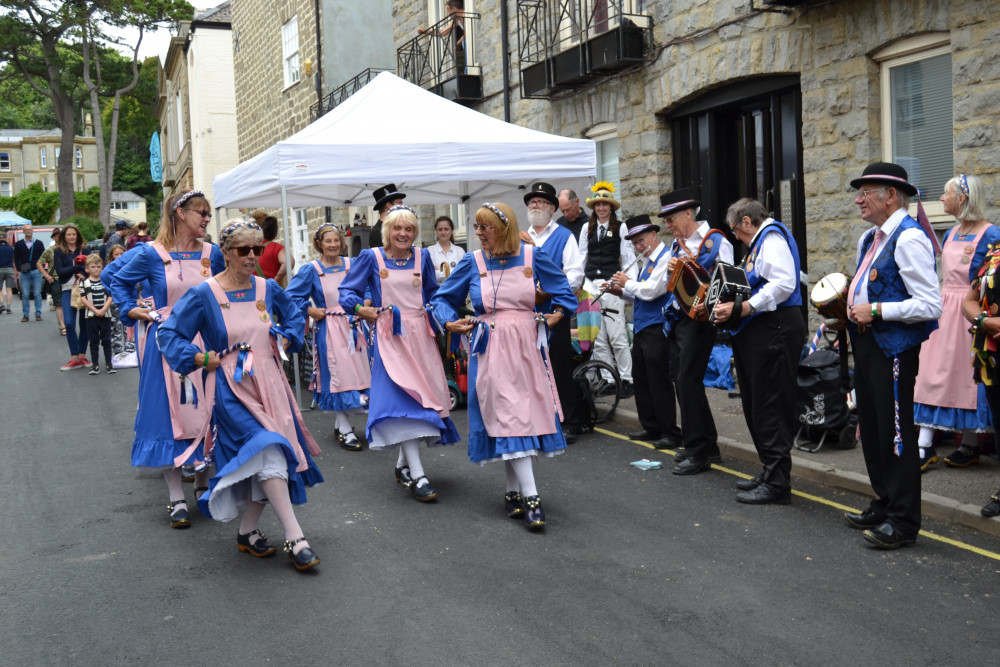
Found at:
<point>689,283</point>
<point>728,284</point>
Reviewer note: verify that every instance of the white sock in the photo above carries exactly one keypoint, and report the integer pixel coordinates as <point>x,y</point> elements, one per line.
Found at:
<point>525,475</point>
<point>342,423</point>
<point>411,451</point>
<point>401,459</point>
<point>172,476</point>
<point>926,437</point>
<point>512,484</point>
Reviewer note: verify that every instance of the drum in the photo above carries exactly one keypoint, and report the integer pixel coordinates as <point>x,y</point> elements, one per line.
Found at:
<point>729,283</point>
<point>689,283</point>
<point>829,296</point>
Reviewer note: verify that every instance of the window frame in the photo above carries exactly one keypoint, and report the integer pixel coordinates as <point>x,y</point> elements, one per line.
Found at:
<point>78,156</point>
<point>10,188</point>
<point>290,76</point>
<point>43,161</point>
<point>601,133</point>
<point>5,156</point>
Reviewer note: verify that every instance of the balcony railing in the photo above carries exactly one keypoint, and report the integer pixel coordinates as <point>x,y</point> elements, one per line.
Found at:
<point>564,44</point>
<point>340,94</point>
<point>443,59</point>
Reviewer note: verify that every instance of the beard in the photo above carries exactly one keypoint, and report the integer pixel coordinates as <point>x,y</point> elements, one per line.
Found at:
<point>538,217</point>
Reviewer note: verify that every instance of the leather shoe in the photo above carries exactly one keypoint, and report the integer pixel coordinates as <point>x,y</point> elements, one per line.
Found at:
<point>992,508</point>
<point>534,516</point>
<point>403,477</point>
<point>667,442</point>
<point>178,517</point>
<point>750,484</point>
<point>692,466</point>
<point>928,457</point>
<point>424,492</point>
<point>887,537</point>
<point>867,519</point>
<point>259,549</point>
<point>514,504</point>
<point>304,559</point>
<point>764,495</point>
<point>643,435</point>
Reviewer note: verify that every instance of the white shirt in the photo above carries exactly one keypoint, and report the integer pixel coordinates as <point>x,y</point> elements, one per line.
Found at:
<point>693,242</point>
<point>572,261</point>
<point>915,258</point>
<point>774,263</point>
<point>439,256</point>
<point>655,285</point>
<point>626,252</point>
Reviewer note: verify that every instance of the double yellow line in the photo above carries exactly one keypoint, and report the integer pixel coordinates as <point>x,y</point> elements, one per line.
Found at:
<point>816,499</point>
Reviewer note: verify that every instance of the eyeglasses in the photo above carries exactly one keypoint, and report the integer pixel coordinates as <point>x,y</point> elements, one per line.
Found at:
<point>539,203</point>
<point>476,226</point>
<point>864,193</point>
<point>204,214</point>
<point>670,218</point>
<point>244,250</point>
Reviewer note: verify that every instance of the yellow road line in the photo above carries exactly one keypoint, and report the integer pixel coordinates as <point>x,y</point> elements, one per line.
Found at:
<point>809,496</point>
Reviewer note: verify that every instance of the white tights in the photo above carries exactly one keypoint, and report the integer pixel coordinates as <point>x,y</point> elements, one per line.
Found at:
<point>281,502</point>
<point>520,475</point>
<point>970,439</point>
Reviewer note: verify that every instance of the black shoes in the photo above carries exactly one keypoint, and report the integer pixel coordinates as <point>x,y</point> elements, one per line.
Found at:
<point>111,369</point>
<point>304,559</point>
<point>667,442</point>
<point>750,484</point>
<point>514,504</point>
<point>867,519</point>
<point>643,435</point>
<point>534,516</point>
<point>692,466</point>
<point>764,495</point>
<point>259,549</point>
<point>349,441</point>
<point>928,457</point>
<point>887,537</point>
<point>179,514</point>
<point>962,458</point>
<point>423,492</point>
<point>992,508</point>
<point>627,390</point>
<point>403,477</point>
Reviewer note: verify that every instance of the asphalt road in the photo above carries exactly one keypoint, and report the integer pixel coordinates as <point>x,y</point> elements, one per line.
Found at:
<point>633,568</point>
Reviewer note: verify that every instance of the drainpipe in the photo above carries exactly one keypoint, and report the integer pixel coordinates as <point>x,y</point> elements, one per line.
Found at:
<point>319,59</point>
<point>505,46</point>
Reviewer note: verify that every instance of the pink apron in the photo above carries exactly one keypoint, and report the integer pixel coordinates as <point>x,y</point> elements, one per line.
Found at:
<point>348,370</point>
<point>412,360</point>
<point>515,395</point>
<point>186,419</point>
<point>266,394</point>
<point>945,377</point>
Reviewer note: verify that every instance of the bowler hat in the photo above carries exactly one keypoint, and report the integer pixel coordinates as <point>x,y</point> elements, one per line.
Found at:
<point>886,173</point>
<point>638,224</point>
<point>386,193</point>
<point>543,190</point>
<point>678,200</point>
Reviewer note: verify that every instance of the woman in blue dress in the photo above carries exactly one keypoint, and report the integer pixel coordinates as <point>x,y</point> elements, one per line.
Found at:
<point>342,374</point>
<point>235,328</point>
<point>178,260</point>
<point>409,395</point>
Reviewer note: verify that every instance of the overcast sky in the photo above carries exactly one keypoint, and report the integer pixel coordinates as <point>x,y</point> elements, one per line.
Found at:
<point>156,43</point>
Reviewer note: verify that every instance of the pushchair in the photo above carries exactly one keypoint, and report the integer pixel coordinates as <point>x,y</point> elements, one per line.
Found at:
<point>824,406</point>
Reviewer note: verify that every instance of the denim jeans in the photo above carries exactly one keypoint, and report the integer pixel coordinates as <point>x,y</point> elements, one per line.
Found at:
<point>76,338</point>
<point>31,282</point>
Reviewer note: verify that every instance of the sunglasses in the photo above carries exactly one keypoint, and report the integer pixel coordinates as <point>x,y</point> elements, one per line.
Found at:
<point>243,251</point>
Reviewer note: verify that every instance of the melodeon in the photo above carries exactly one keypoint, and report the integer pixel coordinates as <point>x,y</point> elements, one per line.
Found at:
<point>689,283</point>
<point>829,296</point>
<point>728,284</point>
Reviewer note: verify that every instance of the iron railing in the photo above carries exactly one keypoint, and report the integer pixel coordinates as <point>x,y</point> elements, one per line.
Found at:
<point>442,52</point>
<point>341,93</point>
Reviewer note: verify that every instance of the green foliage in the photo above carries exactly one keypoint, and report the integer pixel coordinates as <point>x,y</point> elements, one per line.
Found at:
<point>90,228</point>
<point>36,204</point>
<point>20,106</point>
<point>88,202</point>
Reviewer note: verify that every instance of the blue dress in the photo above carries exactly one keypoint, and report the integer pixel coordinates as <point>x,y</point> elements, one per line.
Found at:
<point>238,435</point>
<point>465,279</point>
<point>154,444</point>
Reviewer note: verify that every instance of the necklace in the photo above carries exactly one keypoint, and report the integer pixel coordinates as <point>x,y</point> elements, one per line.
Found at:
<point>496,288</point>
<point>962,231</point>
<point>401,262</point>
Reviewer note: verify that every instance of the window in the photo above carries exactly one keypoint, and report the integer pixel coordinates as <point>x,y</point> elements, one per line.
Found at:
<point>4,161</point>
<point>57,157</point>
<point>300,244</point>
<point>606,136</point>
<point>6,189</point>
<point>290,50</point>
<point>916,87</point>
<point>45,183</point>
<point>79,182</point>
<point>41,158</point>
<point>180,121</point>
<point>79,158</point>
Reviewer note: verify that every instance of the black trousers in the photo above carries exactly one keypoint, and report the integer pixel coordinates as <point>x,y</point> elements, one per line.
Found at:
<point>895,479</point>
<point>691,345</point>
<point>654,391</point>
<point>767,355</point>
<point>99,333</point>
<point>561,358</point>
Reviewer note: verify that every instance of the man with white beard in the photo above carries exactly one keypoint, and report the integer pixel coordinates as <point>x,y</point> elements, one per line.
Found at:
<point>558,243</point>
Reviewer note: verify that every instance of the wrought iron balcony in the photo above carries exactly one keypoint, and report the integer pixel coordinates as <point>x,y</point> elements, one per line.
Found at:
<point>340,94</point>
<point>565,44</point>
<point>443,59</point>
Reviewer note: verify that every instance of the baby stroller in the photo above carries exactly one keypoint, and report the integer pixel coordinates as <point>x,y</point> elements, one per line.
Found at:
<point>824,405</point>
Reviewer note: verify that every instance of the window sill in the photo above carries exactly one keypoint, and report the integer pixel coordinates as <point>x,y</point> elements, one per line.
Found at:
<point>291,85</point>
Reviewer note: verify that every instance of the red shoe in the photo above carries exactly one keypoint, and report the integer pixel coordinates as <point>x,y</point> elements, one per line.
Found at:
<point>69,365</point>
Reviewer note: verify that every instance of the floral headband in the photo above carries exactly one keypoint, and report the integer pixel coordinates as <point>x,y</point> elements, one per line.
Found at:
<point>322,228</point>
<point>494,209</point>
<point>401,207</point>
<point>231,229</point>
<point>963,182</point>
<point>184,197</point>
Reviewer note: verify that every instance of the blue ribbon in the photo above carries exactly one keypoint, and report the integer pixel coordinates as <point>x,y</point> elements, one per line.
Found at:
<point>241,359</point>
<point>397,321</point>
<point>479,337</point>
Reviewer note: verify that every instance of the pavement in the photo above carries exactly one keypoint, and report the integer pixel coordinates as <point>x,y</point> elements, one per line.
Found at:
<point>950,495</point>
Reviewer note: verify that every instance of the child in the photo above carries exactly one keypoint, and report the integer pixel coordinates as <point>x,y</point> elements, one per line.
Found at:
<point>98,304</point>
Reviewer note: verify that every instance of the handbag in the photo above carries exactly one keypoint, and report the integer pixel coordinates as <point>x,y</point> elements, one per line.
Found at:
<point>76,297</point>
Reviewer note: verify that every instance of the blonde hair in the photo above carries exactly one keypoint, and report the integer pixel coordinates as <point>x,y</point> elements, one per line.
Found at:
<point>165,236</point>
<point>508,234</point>
<point>95,258</point>
<point>401,215</point>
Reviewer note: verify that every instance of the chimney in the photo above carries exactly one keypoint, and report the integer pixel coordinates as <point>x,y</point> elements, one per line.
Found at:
<point>88,126</point>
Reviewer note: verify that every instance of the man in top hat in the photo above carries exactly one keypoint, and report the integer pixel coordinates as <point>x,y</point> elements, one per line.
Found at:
<point>558,243</point>
<point>654,392</point>
<point>386,197</point>
<point>767,344</point>
<point>691,340</point>
<point>605,250</point>
<point>893,303</point>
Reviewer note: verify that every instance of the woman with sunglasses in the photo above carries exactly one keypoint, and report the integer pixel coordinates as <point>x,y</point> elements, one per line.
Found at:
<point>409,394</point>
<point>513,403</point>
<point>343,375</point>
<point>178,260</point>
<point>235,328</point>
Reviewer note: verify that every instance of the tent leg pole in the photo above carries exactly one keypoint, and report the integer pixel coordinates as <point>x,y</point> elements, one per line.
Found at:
<point>288,251</point>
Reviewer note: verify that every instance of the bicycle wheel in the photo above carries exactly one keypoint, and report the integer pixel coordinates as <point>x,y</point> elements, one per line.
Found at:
<point>604,393</point>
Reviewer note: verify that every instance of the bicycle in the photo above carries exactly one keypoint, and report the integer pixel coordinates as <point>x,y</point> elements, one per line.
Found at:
<point>601,394</point>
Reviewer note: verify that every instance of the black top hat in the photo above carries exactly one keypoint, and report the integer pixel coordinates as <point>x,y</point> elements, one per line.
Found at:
<point>384,194</point>
<point>638,224</point>
<point>886,173</point>
<point>543,190</point>
<point>678,200</point>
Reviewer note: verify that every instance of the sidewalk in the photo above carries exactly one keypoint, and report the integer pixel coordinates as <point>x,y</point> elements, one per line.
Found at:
<point>953,495</point>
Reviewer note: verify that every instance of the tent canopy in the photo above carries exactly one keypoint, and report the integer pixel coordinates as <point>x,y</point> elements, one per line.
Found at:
<point>391,131</point>
<point>11,219</point>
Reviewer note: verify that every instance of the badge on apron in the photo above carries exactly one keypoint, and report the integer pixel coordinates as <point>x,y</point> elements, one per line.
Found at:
<point>482,275</point>
<point>528,272</point>
<point>872,275</point>
<point>205,272</point>
<point>224,305</point>
<point>969,249</point>
<point>966,259</point>
<point>384,273</point>
<point>709,244</point>
<point>264,317</point>
<point>261,306</point>
<point>206,262</point>
<point>416,282</point>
